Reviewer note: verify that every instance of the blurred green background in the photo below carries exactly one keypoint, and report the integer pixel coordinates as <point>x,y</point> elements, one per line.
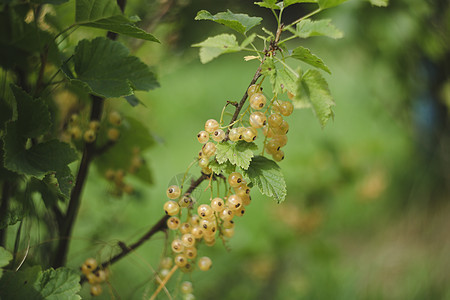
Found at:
<point>367,214</point>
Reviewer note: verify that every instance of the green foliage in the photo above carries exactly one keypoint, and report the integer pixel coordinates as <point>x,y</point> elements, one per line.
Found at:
<point>5,258</point>
<point>106,69</point>
<point>313,92</point>
<point>239,22</point>
<point>106,14</point>
<point>305,55</point>
<point>329,3</point>
<point>307,28</point>
<point>222,168</point>
<point>266,175</point>
<point>282,80</point>
<point>239,154</point>
<point>220,44</point>
<point>32,283</point>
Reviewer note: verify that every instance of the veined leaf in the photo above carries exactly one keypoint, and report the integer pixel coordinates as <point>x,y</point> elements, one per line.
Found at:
<point>239,154</point>
<point>313,91</point>
<point>218,168</point>
<point>266,175</point>
<point>282,80</point>
<point>272,4</point>
<point>217,45</point>
<point>239,22</point>
<point>5,258</point>
<point>306,56</point>
<point>106,69</point>
<point>106,14</point>
<point>290,2</point>
<point>308,28</point>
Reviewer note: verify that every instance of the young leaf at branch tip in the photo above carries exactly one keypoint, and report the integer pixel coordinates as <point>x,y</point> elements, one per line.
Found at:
<point>307,28</point>
<point>282,80</point>
<point>217,45</point>
<point>218,168</point>
<point>313,91</point>
<point>267,176</point>
<point>272,4</point>
<point>106,69</point>
<point>290,2</point>
<point>305,55</point>
<point>239,154</point>
<point>238,22</point>
<point>106,14</point>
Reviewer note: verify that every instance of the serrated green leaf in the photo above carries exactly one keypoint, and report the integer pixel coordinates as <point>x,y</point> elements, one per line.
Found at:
<point>5,258</point>
<point>282,80</point>
<point>218,168</point>
<point>32,283</point>
<point>239,154</point>
<point>329,3</point>
<point>266,175</point>
<point>37,160</point>
<point>65,180</point>
<point>313,91</point>
<point>106,14</point>
<point>305,55</point>
<point>290,2</point>
<point>133,135</point>
<point>217,45</point>
<point>272,4</point>
<point>107,70</point>
<point>381,3</point>
<point>307,28</point>
<point>61,283</point>
<point>239,22</point>
<point>33,115</point>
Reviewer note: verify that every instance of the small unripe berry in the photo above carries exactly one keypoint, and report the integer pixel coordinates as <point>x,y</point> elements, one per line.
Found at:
<point>258,101</point>
<point>204,263</point>
<point>75,133</point>
<point>185,201</point>
<point>211,125</point>
<point>166,263</point>
<point>94,125</point>
<point>115,118</point>
<point>171,208</point>
<point>173,192</point>
<point>228,232</point>
<point>113,134</point>
<point>203,136</point>
<point>89,136</point>
<point>91,264</point>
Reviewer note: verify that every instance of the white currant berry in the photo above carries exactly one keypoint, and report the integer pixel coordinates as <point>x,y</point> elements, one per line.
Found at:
<point>171,208</point>
<point>280,140</point>
<point>254,88</point>
<point>235,179</point>
<point>209,149</point>
<point>207,171</point>
<point>94,125</point>
<point>203,136</point>
<point>250,134</point>
<point>272,147</point>
<point>101,276</point>
<point>228,224</point>
<point>278,155</point>
<point>185,228</point>
<point>75,133</point>
<point>91,278</point>
<point>113,134</point>
<point>275,120</point>
<point>286,108</point>
<point>226,214</point>
<point>203,162</point>
<point>197,232</point>
<point>267,131</point>
<point>96,290</point>
<point>234,202</point>
<point>166,263</point>
<point>177,246</point>
<point>90,264</point>
<point>258,101</point>
<point>186,287</point>
<point>217,204</point>
<point>163,273</point>
<point>228,232</point>
<point>242,190</point>
<point>257,119</point>
<point>181,260</point>
<point>205,211</point>
<point>234,135</point>
<point>190,252</point>
<point>173,223</point>
<point>218,135</point>
<point>188,240</point>
<point>246,200</point>
<point>173,192</point>
<point>240,212</point>
<point>74,118</point>
<point>204,263</point>
<point>211,125</point>
<point>284,127</point>
<point>185,201</point>
<point>194,220</point>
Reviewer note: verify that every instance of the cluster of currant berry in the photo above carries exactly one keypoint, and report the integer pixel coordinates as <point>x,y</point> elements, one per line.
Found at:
<point>92,129</point>
<point>94,275</point>
<point>117,178</point>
